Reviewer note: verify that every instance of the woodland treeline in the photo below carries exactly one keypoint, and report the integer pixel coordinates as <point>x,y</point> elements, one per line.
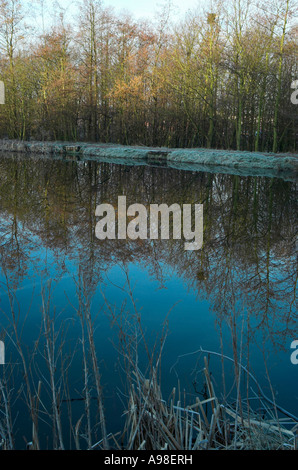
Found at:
<point>218,78</point>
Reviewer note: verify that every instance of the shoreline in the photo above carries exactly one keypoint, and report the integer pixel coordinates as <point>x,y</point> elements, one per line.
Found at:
<point>242,163</point>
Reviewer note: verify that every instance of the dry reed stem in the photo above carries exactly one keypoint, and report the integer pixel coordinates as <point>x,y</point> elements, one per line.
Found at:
<point>153,425</point>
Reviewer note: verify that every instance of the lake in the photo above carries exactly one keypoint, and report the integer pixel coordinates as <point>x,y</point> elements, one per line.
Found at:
<point>61,285</point>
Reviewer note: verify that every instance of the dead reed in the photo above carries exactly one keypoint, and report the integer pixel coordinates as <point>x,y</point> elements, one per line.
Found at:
<point>153,424</point>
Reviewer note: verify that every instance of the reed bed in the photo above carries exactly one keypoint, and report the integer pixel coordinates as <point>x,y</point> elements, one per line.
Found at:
<point>153,424</point>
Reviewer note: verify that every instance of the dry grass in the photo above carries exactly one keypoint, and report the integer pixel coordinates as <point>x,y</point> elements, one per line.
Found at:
<point>153,424</point>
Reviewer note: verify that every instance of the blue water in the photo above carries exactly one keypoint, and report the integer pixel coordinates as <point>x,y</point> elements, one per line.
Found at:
<point>238,290</point>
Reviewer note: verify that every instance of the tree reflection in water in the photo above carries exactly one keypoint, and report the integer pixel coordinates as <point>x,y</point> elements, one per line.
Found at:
<point>246,270</point>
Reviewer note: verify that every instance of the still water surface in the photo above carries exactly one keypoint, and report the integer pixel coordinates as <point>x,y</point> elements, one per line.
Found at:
<point>237,295</point>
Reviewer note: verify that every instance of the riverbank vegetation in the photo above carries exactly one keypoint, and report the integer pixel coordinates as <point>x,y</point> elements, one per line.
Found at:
<point>53,419</point>
<point>216,78</point>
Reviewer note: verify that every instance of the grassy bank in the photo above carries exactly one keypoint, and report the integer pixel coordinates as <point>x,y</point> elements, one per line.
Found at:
<point>199,159</point>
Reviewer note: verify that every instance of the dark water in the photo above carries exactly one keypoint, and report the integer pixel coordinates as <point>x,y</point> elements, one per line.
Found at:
<point>237,295</point>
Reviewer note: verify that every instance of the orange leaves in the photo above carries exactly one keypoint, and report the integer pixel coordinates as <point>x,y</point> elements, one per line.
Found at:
<point>128,91</point>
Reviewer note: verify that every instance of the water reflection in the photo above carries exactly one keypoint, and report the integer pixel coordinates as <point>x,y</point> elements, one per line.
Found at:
<point>244,277</point>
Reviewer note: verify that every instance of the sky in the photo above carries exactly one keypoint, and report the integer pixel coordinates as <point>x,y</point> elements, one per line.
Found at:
<point>139,8</point>
<point>41,14</point>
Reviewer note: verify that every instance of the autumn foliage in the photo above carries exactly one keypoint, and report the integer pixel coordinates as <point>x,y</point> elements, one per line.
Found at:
<point>219,78</point>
